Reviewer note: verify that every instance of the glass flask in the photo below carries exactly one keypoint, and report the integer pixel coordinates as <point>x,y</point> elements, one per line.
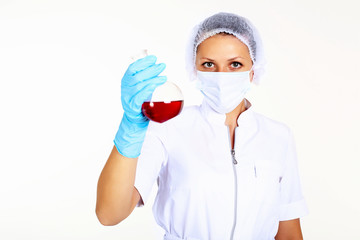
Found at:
<point>166,101</point>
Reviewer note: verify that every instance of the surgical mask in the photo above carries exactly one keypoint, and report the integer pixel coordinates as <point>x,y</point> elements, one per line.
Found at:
<point>224,91</point>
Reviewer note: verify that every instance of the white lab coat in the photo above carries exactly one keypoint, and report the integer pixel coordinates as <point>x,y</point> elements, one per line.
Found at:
<point>202,193</point>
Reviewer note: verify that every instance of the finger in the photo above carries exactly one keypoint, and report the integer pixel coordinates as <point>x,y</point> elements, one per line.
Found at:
<point>148,73</point>
<point>157,81</point>
<point>146,92</point>
<point>139,118</point>
<point>141,64</point>
<point>134,95</point>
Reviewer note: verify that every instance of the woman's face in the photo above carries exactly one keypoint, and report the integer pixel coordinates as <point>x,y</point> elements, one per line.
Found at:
<point>223,53</point>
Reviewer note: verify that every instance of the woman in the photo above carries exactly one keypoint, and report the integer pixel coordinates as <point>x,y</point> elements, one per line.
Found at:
<point>223,171</point>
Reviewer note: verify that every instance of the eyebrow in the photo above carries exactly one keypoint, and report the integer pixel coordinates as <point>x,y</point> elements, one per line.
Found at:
<point>231,59</point>
<point>236,58</point>
<point>207,58</point>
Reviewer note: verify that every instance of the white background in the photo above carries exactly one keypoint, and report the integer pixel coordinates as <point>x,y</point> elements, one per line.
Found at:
<point>61,64</point>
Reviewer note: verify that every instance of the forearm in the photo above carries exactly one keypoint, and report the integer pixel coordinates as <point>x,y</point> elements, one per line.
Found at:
<point>289,230</point>
<point>116,195</point>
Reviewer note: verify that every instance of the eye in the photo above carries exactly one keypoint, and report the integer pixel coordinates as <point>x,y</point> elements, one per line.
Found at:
<point>236,64</point>
<point>208,64</point>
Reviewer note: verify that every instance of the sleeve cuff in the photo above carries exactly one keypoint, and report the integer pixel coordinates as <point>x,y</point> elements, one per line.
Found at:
<point>144,192</point>
<point>293,210</point>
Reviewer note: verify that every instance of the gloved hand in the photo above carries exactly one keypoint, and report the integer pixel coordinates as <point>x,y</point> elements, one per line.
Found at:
<point>137,86</point>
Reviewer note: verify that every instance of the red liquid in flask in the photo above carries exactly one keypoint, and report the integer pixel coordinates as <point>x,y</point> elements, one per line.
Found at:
<point>162,111</point>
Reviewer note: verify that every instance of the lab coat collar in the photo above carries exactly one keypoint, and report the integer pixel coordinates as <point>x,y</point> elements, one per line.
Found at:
<point>247,123</point>
<point>245,118</point>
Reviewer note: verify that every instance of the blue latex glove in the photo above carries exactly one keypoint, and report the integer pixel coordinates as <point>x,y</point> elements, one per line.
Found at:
<point>137,86</point>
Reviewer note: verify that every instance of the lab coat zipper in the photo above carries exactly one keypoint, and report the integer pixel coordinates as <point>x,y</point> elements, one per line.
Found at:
<point>233,156</point>
<point>234,162</point>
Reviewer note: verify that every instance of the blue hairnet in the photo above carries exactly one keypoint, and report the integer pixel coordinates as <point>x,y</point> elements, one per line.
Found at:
<point>233,24</point>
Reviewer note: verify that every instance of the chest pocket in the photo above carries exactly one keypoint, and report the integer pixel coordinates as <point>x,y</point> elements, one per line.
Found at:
<point>268,180</point>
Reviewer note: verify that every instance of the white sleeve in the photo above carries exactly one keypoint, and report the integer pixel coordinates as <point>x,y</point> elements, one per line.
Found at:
<point>293,204</point>
<point>150,162</point>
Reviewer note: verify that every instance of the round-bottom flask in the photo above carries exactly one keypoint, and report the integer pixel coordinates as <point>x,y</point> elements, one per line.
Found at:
<point>166,102</point>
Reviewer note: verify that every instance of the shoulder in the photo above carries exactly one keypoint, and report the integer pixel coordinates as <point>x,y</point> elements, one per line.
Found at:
<point>187,118</point>
<point>272,128</point>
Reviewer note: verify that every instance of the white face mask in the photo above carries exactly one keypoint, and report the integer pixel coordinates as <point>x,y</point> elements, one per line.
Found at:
<point>224,91</point>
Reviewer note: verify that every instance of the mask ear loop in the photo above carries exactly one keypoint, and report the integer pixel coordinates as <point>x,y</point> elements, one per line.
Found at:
<point>246,106</point>
<point>253,74</point>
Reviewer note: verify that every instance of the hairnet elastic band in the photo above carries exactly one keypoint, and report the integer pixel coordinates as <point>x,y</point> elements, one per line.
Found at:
<point>220,30</point>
